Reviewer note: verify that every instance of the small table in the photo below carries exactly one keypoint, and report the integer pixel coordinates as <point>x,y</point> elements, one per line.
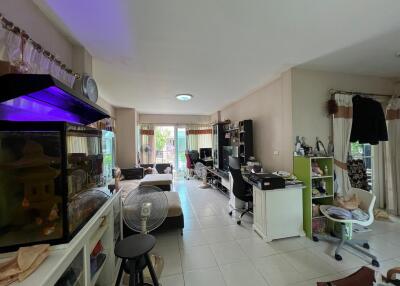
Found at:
<point>134,251</point>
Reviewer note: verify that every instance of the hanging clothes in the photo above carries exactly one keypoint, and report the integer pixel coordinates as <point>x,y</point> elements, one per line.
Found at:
<point>369,123</point>
<point>358,174</point>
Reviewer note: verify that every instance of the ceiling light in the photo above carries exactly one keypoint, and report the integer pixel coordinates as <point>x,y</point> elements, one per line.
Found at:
<point>184,97</point>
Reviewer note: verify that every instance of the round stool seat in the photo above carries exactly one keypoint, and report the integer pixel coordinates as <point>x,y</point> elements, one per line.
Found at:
<point>134,246</point>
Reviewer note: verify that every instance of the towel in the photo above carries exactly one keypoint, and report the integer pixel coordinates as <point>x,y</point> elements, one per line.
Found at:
<point>28,259</point>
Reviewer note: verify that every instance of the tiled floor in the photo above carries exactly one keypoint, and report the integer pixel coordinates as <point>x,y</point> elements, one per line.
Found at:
<point>215,251</point>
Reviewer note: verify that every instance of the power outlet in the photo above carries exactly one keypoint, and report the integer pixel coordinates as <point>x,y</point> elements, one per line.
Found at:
<point>276,153</point>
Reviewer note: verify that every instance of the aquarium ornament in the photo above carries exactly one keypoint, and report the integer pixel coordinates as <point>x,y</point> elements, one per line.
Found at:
<point>34,97</point>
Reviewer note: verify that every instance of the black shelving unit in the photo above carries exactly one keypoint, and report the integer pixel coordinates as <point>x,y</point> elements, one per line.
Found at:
<point>245,140</point>
<point>218,142</point>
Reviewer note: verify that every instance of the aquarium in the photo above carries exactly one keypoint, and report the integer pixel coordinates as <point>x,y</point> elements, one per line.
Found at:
<point>51,181</point>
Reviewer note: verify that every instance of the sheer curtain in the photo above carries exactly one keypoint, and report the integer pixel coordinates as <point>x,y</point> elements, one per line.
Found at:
<point>198,136</point>
<point>27,58</point>
<point>342,122</point>
<point>147,150</point>
<point>392,157</point>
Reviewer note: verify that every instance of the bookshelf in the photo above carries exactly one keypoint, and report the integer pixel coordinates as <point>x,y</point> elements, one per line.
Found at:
<point>302,169</point>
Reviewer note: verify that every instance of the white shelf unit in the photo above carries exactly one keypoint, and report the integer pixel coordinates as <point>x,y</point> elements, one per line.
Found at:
<point>99,227</point>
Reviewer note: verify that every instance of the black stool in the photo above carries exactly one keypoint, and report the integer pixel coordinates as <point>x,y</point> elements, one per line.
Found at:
<point>134,251</point>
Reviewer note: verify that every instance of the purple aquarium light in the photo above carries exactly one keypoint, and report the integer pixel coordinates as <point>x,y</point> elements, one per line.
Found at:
<point>47,100</point>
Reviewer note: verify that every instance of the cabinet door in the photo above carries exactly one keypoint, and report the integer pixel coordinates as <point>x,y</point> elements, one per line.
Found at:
<point>285,213</point>
<point>260,222</point>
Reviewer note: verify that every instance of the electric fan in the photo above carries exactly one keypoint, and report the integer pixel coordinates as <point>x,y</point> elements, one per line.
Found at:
<point>144,210</point>
<point>201,172</point>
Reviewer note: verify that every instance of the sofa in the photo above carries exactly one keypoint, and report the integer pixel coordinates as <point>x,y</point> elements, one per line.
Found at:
<point>161,168</point>
<point>175,218</point>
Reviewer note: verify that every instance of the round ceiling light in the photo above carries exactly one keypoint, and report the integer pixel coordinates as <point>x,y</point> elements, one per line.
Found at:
<point>184,97</point>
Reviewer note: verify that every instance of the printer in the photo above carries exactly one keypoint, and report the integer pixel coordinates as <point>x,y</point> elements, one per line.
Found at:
<point>267,181</point>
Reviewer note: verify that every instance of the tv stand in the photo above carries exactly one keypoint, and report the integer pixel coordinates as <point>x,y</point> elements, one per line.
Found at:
<point>219,180</point>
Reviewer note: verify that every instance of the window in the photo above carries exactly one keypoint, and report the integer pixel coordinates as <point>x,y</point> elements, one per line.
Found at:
<point>365,153</point>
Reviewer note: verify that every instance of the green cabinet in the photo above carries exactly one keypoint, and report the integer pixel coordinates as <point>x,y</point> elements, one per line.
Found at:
<point>302,169</point>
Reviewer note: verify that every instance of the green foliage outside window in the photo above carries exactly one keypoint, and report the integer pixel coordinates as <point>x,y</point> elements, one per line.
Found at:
<point>162,136</point>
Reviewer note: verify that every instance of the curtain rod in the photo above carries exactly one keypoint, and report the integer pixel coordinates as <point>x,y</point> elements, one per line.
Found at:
<point>335,91</point>
<point>8,25</point>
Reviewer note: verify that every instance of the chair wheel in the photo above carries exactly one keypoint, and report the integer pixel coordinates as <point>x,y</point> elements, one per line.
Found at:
<point>239,222</point>
<point>338,257</point>
<point>365,245</point>
<point>375,263</point>
<point>230,213</point>
<point>314,238</point>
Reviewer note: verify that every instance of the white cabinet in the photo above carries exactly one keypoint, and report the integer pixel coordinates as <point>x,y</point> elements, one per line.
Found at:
<point>278,213</point>
<point>99,227</point>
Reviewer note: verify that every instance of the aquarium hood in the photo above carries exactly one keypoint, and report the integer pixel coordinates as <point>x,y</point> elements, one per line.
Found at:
<point>40,97</point>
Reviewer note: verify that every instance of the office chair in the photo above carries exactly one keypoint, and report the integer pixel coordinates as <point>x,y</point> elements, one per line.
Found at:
<point>367,202</point>
<point>240,188</point>
<point>189,166</point>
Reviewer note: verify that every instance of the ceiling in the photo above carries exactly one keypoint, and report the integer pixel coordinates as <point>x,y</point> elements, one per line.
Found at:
<point>376,56</point>
<point>147,51</point>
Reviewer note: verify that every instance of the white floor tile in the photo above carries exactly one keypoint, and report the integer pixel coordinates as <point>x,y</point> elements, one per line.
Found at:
<point>191,238</point>
<point>174,280</point>
<point>286,245</point>
<point>256,248</point>
<point>277,271</point>
<point>242,273</point>
<point>308,264</point>
<point>228,252</point>
<point>204,277</point>
<point>214,250</point>
<point>219,234</point>
<point>197,257</point>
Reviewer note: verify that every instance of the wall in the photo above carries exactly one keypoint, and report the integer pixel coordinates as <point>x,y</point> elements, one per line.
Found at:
<point>126,137</point>
<point>215,117</point>
<point>26,15</point>
<point>104,104</point>
<point>173,119</point>
<point>270,108</point>
<point>310,90</point>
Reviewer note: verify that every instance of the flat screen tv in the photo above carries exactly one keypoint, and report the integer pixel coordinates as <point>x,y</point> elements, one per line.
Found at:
<point>205,153</point>
<point>226,152</point>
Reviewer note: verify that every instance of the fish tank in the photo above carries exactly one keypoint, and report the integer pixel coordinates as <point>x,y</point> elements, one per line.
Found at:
<point>51,181</point>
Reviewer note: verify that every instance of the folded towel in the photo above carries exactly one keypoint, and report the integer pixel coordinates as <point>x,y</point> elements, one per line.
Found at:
<point>339,213</point>
<point>24,264</point>
<point>359,214</point>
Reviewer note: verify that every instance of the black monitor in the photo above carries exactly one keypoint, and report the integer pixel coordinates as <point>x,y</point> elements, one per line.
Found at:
<point>205,153</point>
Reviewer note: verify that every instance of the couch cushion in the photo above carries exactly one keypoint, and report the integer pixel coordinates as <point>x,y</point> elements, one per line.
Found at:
<point>174,203</point>
<point>156,180</point>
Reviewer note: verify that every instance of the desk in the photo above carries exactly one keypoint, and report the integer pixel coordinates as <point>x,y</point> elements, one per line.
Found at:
<point>277,213</point>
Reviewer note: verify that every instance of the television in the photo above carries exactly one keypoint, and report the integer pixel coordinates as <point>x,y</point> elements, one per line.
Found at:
<point>226,152</point>
<point>205,153</point>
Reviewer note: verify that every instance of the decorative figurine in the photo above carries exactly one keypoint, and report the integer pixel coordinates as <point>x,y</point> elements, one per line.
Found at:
<point>37,177</point>
<point>316,170</point>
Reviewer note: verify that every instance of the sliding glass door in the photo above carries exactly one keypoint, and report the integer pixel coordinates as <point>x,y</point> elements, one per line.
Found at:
<point>180,150</point>
<point>165,144</point>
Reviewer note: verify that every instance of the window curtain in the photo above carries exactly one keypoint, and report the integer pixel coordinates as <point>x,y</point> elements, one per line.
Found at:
<point>22,54</point>
<point>147,149</point>
<point>342,122</point>
<point>198,136</point>
<point>392,157</point>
